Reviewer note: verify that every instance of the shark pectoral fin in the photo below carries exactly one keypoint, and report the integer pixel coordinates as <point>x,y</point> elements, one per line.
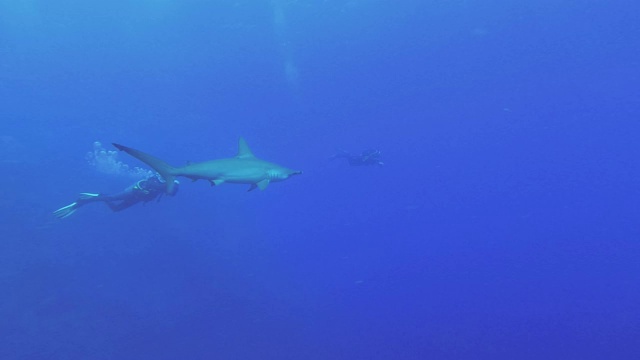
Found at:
<point>262,184</point>
<point>216,182</point>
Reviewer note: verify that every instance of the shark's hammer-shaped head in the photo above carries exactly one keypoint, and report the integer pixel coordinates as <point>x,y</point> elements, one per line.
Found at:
<point>272,172</point>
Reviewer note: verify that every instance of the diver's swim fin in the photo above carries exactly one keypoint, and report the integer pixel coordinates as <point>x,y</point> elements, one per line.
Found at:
<point>66,211</point>
<point>85,196</point>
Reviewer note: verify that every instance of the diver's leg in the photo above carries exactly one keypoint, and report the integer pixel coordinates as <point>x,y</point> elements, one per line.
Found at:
<point>124,204</point>
<point>121,196</point>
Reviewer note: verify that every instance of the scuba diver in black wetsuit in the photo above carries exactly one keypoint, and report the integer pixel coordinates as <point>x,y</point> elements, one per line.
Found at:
<point>368,157</point>
<point>142,191</point>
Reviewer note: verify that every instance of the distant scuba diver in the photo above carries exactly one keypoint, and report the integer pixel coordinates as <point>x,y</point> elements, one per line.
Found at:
<point>142,191</point>
<point>367,157</point>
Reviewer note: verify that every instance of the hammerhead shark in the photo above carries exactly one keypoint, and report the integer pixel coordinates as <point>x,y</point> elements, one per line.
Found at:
<point>244,168</point>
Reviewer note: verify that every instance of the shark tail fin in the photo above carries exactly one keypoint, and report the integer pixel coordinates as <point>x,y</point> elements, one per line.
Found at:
<point>165,170</point>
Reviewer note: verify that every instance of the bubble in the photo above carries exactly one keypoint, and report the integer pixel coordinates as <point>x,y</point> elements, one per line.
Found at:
<point>106,162</point>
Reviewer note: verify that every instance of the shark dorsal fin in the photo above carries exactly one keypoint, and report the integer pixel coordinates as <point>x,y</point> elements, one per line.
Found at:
<point>243,150</point>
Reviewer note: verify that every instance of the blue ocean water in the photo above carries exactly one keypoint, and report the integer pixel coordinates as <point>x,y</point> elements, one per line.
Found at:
<point>503,224</point>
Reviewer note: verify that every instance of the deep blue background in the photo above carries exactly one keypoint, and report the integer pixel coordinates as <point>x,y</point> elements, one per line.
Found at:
<point>504,224</point>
